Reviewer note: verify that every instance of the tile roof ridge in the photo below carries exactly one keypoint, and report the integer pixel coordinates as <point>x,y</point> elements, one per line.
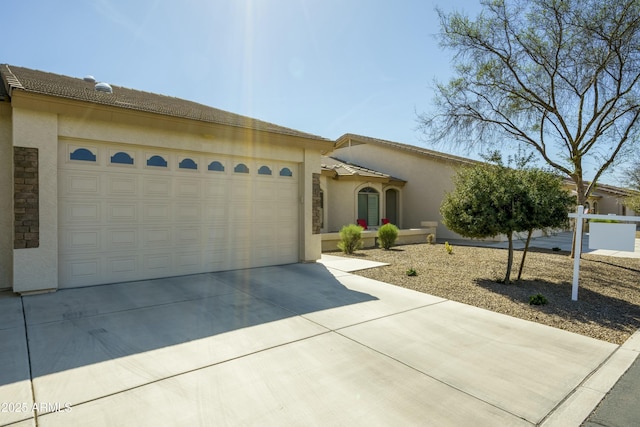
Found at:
<point>10,80</point>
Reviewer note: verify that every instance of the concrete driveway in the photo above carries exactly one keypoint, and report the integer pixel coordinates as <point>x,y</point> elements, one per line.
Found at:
<point>302,344</point>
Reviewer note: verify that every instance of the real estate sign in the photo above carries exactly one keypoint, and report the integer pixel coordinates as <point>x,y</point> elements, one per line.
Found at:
<point>616,237</point>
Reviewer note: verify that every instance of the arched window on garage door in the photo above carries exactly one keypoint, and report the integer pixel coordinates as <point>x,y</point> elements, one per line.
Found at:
<point>369,206</point>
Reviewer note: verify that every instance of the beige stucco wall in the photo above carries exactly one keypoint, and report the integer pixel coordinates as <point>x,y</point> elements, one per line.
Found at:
<point>427,181</point>
<point>36,269</point>
<point>43,124</point>
<point>6,198</point>
<point>341,201</point>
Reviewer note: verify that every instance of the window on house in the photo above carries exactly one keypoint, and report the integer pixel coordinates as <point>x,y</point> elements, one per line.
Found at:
<point>216,166</point>
<point>241,168</point>
<point>188,164</point>
<point>369,206</point>
<point>264,170</point>
<point>157,161</point>
<point>286,172</point>
<point>595,207</point>
<point>122,158</point>
<point>83,154</point>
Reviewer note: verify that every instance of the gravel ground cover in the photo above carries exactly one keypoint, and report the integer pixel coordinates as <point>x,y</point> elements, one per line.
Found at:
<point>608,306</point>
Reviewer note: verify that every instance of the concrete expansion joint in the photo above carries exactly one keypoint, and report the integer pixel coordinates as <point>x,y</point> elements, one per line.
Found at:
<point>576,407</point>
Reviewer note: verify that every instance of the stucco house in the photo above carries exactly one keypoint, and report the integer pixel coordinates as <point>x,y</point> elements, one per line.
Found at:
<point>409,183</point>
<point>106,184</point>
<point>374,179</point>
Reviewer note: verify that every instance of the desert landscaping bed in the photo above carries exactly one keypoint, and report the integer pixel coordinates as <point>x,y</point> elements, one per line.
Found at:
<point>608,306</point>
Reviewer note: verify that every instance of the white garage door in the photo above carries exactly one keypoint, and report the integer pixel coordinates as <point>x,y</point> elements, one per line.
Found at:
<point>131,213</point>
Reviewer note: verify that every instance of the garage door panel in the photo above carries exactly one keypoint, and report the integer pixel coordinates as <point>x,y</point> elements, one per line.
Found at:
<point>215,213</point>
<point>123,238</point>
<point>187,212</point>
<point>81,240</point>
<point>154,237</point>
<point>82,212</point>
<point>81,271</point>
<point>158,264</point>
<point>157,187</point>
<point>138,222</point>
<point>188,236</point>
<point>122,212</point>
<point>122,185</point>
<point>156,212</point>
<point>123,268</point>
<point>188,188</point>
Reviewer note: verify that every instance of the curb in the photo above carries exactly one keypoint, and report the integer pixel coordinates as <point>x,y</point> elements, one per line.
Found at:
<point>577,407</point>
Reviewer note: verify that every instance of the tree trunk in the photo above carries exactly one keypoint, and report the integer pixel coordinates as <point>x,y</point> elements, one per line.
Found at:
<point>507,278</point>
<point>582,198</point>
<point>524,254</point>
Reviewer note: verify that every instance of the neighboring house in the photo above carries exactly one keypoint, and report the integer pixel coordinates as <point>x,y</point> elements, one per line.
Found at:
<point>106,184</point>
<point>375,179</point>
<point>605,199</point>
<point>422,177</point>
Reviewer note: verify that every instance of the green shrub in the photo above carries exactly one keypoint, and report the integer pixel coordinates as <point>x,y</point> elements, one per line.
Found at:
<point>412,272</point>
<point>431,238</point>
<point>350,238</point>
<point>537,299</point>
<point>387,235</point>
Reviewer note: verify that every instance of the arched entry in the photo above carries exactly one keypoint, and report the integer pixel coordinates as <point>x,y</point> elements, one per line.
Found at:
<point>369,205</point>
<point>392,204</point>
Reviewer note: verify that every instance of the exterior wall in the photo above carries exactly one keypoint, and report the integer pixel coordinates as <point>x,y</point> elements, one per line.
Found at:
<point>36,269</point>
<point>341,201</point>
<point>6,198</point>
<point>427,181</point>
<point>29,123</point>
<point>608,205</point>
<point>311,244</point>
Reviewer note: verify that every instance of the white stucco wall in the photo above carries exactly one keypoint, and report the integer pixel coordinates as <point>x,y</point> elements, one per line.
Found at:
<point>6,199</point>
<point>427,181</point>
<point>36,269</point>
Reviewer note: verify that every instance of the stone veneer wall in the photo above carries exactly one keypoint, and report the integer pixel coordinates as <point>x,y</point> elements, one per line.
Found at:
<point>25,198</point>
<point>316,204</point>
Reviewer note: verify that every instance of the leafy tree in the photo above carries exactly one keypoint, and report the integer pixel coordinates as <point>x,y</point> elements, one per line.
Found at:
<point>487,201</point>
<point>550,204</point>
<point>633,175</point>
<point>559,76</point>
<point>633,202</point>
<point>492,199</point>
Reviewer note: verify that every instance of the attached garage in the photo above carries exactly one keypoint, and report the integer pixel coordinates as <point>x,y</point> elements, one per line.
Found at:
<point>135,186</point>
<point>130,213</point>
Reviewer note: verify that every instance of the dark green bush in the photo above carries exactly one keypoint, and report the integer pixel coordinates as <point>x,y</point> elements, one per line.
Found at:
<point>537,299</point>
<point>412,272</point>
<point>350,238</point>
<point>387,235</point>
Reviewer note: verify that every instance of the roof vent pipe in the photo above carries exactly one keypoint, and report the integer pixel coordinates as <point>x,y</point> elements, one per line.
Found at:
<point>103,87</point>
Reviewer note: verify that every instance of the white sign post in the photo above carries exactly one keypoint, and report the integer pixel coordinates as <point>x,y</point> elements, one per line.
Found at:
<point>614,236</point>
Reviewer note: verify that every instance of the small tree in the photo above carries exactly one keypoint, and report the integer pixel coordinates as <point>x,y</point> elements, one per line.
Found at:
<point>493,199</point>
<point>488,200</point>
<point>550,203</point>
<point>387,236</point>
<point>633,202</point>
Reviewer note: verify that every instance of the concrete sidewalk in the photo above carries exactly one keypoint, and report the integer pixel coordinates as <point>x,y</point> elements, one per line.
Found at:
<point>303,344</point>
<point>562,241</point>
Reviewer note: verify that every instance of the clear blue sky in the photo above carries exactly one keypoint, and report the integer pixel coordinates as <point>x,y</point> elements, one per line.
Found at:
<point>326,67</point>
